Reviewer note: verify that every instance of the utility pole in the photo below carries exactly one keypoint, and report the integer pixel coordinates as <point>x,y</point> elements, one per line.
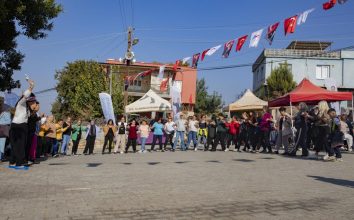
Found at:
<point>128,57</point>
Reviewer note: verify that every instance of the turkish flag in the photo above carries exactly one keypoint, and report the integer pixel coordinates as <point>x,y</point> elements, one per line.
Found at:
<point>195,60</point>
<point>203,54</point>
<point>163,85</point>
<point>271,32</point>
<point>290,24</point>
<point>176,65</point>
<point>240,42</point>
<point>329,5</point>
<point>191,99</point>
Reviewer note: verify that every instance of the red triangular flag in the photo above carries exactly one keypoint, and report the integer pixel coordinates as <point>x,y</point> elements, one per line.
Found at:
<point>203,54</point>
<point>329,5</point>
<point>290,24</point>
<point>176,65</point>
<point>163,85</point>
<point>240,42</point>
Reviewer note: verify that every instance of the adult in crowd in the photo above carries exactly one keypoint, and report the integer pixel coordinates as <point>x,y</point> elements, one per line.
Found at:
<point>335,137</point>
<point>144,131</point>
<point>321,126</point>
<point>158,133</point>
<point>193,125</point>
<point>66,135</point>
<point>19,128</point>
<point>244,133</point>
<point>180,130</point>
<point>50,136</point>
<point>91,134</point>
<point>76,135</point>
<point>234,127</point>
<point>203,131</point>
<point>211,134</point>
<point>5,121</point>
<point>41,130</point>
<point>59,137</point>
<point>109,131</point>
<point>221,131</point>
<point>344,128</point>
<point>121,136</point>
<point>169,128</point>
<point>30,151</point>
<point>265,128</point>
<point>253,131</point>
<point>132,136</point>
<point>285,133</point>
<point>301,128</point>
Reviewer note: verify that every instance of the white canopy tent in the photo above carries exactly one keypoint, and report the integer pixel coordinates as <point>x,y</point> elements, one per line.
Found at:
<point>247,102</point>
<point>150,102</point>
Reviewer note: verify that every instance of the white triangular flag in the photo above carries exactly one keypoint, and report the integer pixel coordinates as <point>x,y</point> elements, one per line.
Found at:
<point>161,72</point>
<point>184,61</point>
<point>255,38</point>
<point>212,50</point>
<point>303,16</point>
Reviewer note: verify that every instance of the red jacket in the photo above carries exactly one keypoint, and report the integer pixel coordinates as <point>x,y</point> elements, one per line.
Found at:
<point>234,127</point>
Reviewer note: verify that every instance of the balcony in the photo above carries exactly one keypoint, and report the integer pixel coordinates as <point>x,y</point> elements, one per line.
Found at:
<point>300,53</point>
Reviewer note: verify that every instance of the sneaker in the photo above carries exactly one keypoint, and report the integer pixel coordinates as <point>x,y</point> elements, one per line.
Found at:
<point>140,151</point>
<point>56,155</point>
<point>21,167</point>
<point>326,157</point>
<point>331,158</point>
<point>235,150</point>
<point>195,149</point>
<point>339,159</point>
<point>122,152</point>
<point>226,150</point>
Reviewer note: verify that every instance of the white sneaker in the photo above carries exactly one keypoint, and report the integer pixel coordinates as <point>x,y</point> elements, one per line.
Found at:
<point>339,159</point>
<point>331,158</point>
<point>196,149</point>
<point>226,150</point>
<point>325,157</point>
<point>122,152</point>
<point>140,151</point>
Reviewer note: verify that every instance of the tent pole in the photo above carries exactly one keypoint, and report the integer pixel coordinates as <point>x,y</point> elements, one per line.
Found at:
<point>291,113</point>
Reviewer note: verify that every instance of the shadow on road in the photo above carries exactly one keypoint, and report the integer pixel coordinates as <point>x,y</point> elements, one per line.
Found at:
<point>243,160</point>
<point>339,182</point>
<point>93,164</point>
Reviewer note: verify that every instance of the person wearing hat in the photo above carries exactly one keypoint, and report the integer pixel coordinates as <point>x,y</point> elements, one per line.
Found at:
<point>19,128</point>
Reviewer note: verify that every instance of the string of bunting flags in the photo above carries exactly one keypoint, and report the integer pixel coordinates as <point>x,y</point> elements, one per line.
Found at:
<point>289,28</point>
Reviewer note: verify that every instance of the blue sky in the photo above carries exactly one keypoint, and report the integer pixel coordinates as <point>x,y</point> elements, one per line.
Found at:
<point>171,30</point>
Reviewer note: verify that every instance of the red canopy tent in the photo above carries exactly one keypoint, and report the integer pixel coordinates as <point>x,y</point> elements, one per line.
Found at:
<point>311,94</point>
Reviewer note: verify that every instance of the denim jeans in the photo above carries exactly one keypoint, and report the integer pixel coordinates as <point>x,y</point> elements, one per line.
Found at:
<point>143,141</point>
<point>192,136</point>
<point>66,140</point>
<point>179,134</point>
<point>55,147</point>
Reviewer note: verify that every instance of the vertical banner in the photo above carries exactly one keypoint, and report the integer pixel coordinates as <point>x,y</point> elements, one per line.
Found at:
<point>175,92</point>
<point>107,106</point>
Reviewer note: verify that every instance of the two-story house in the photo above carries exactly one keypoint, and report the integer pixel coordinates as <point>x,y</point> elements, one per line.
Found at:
<point>307,59</point>
<point>185,77</point>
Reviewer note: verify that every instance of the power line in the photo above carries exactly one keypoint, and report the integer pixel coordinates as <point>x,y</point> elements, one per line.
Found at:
<point>132,11</point>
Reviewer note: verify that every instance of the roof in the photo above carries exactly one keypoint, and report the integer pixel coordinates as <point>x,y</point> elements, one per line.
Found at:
<point>309,93</point>
<point>309,45</point>
<point>248,102</point>
<point>150,102</point>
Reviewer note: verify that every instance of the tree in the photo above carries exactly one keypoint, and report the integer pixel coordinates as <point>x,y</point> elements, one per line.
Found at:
<point>206,103</point>
<point>280,82</point>
<point>31,18</point>
<point>79,84</point>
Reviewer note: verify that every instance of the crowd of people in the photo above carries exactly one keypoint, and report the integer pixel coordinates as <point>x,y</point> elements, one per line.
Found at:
<point>33,136</point>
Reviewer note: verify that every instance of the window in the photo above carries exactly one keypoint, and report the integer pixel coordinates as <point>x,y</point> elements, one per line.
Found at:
<point>322,72</point>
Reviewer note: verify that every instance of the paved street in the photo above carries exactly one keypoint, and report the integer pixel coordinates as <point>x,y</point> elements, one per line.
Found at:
<point>180,185</point>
